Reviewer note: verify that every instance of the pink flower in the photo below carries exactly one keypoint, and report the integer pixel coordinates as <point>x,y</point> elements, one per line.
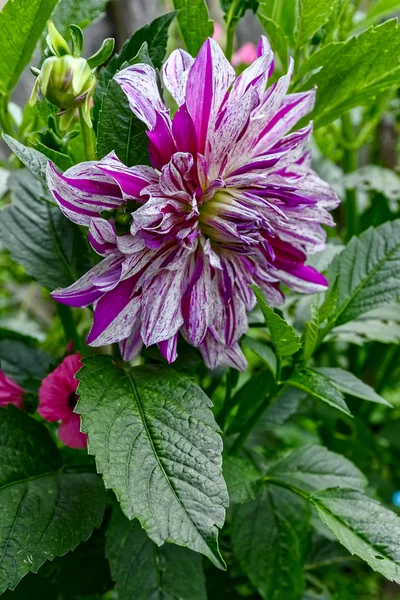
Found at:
<point>245,55</point>
<point>230,199</point>
<point>57,400</point>
<point>218,32</point>
<point>10,392</point>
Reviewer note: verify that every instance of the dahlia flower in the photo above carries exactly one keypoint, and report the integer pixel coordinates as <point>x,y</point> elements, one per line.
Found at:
<point>58,398</point>
<point>230,200</point>
<point>10,392</point>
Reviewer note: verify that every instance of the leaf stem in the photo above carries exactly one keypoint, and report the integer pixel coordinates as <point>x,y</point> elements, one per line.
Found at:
<point>230,33</point>
<point>87,137</point>
<point>350,163</point>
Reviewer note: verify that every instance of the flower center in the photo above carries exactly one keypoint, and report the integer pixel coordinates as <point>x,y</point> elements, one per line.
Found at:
<point>73,399</point>
<point>213,213</point>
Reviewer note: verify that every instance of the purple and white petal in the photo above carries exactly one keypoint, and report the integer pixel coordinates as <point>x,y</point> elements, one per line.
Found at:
<point>175,74</point>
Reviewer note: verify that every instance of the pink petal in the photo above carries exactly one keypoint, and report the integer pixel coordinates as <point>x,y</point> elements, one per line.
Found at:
<point>70,434</point>
<point>56,390</point>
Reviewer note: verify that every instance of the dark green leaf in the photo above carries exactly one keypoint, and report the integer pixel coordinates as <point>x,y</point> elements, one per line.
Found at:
<point>315,468</point>
<point>249,398</point>
<point>35,161</point>
<point>62,161</point>
<point>270,537</point>
<point>142,570</point>
<point>310,334</point>
<point>156,443</point>
<point>348,383</point>
<point>21,25</point>
<point>283,336</point>
<point>320,387</point>
<point>194,23</point>
<point>43,513</point>
<point>23,363</point>
<point>38,236</point>
<point>263,351</point>
<point>364,527</point>
<point>243,479</point>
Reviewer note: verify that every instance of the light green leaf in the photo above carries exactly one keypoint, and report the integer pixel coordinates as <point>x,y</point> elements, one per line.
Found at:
<point>194,23</point>
<point>34,160</point>
<point>277,37</point>
<point>21,25</point>
<point>315,468</point>
<point>243,479</point>
<point>263,351</point>
<point>320,387</point>
<point>156,443</point>
<point>368,272</point>
<point>355,72</point>
<point>43,513</point>
<point>310,334</point>
<point>142,571</point>
<point>378,325</point>
<point>312,15</point>
<point>283,13</point>
<point>77,12</point>
<point>63,161</point>
<point>348,383</point>
<point>364,527</point>
<point>380,10</point>
<point>283,336</point>
<point>38,236</point>
<point>270,537</point>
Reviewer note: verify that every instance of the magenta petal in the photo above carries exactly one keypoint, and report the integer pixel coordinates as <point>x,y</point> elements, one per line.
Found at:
<point>70,434</point>
<point>162,145</point>
<point>168,348</point>
<point>131,180</point>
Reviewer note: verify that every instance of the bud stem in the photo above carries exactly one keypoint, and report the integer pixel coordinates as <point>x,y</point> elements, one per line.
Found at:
<point>87,137</point>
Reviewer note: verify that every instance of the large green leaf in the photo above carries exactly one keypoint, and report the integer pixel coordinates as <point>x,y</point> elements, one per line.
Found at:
<point>283,336</point>
<point>276,35</point>
<point>143,571</point>
<point>270,537</point>
<point>194,23</point>
<point>320,387</point>
<point>243,479</point>
<point>355,71</point>
<point>348,383</point>
<point>43,512</point>
<point>77,12</point>
<point>315,468</point>
<point>156,36</point>
<point>157,445</point>
<point>367,272</point>
<point>21,25</point>
<point>263,351</point>
<point>26,365</point>
<point>364,527</point>
<point>312,15</point>
<point>249,398</point>
<point>38,236</point>
<point>34,160</point>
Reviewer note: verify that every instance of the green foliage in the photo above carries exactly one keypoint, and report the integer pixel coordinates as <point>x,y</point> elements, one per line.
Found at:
<point>312,15</point>
<point>21,25</point>
<point>281,521</point>
<point>172,434</point>
<point>35,161</point>
<point>26,365</point>
<point>348,383</point>
<point>243,478</point>
<point>78,12</point>
<point>278,38</point>
<point>319,387</point>
<point>194,23</point>
<point>165,572</point>
<point>62,255</point>
<point>57,509</point>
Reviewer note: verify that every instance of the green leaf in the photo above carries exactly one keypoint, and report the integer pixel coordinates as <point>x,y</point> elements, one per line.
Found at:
<point>283,13</point>
<point>310,335</point>
<point>27,366</point>
<point>270,537</point>
<point>368,272</point>
<point>364,527</point>
<point>283,336</point>
<point>348,383</point>
<point>21,25</point>
<point>38,236</point>
<point>312,15</point>
<point>315,468</point>
<point>62,161</point>
<point>43,513</point>
<point>263,351</point>
<point>277,37</point>
<point>77,12</point>
<point>355,72</point>
<point>378,179</point>
<point>143,571</point>
<point>379,11</point>
<point>243,479</point>
<point>35,161</point>
<point>249,398</point>
<point>320,387</point>
<point>157,445</point>
<point>378,325</point>
<point>156,36</point>
<point>194,23</point>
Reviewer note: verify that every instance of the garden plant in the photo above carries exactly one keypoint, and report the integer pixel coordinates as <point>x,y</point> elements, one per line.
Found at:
<point>199,303</point>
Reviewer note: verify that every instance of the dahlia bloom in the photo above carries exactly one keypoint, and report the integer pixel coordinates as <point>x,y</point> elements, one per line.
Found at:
<point>230,200</point>
<point>10,392</point>
<point>58,398</point>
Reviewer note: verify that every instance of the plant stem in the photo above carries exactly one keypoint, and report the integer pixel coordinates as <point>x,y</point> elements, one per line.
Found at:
<point>68,323</point>
<point>87,137</point>
<point>229,43</point>
<point>350,163</point>
<point>244,434</point>
<point>5,117</point>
